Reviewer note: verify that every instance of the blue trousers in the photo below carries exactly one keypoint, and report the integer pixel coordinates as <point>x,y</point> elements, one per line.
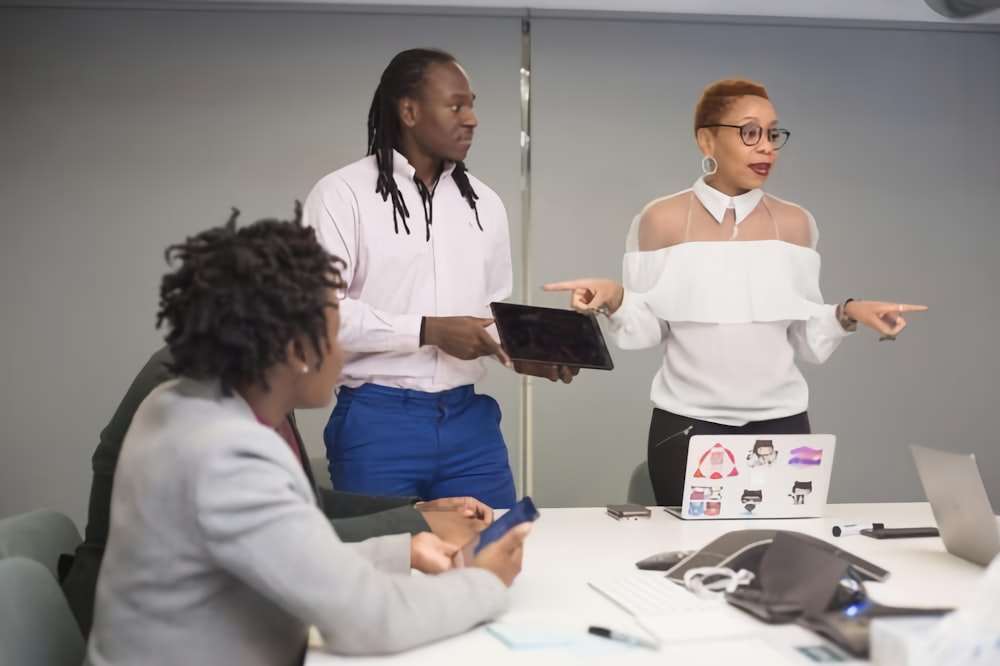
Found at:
<point>389,441</point>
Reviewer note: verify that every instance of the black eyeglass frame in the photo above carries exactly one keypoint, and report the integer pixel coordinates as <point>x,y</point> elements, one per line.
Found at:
<point>771,132</point>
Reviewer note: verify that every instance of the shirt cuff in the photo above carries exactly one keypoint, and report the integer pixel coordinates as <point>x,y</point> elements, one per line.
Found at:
<point>831,325</point>
<point>846,322</point>
<point>408,328</point>
<point>620,316</point>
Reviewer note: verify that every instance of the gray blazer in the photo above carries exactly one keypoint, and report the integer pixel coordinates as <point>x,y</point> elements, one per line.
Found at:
<point>218,554</point>
<point>355,517</point>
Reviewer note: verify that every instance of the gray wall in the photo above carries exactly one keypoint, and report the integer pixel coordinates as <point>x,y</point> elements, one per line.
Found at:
<point>123,131</point>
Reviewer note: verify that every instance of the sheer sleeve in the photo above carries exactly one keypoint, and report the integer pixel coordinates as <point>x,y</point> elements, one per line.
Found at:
<point>816,338</point>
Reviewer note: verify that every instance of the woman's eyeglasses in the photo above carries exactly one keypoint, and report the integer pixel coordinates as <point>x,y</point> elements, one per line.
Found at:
<point>751,134</point>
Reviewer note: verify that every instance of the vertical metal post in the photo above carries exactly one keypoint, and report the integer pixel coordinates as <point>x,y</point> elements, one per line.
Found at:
<point>526,441</point>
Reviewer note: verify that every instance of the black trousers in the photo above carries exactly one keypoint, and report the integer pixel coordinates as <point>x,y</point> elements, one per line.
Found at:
<point>668,446</point>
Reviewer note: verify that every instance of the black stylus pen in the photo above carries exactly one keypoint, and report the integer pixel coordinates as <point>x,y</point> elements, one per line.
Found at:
<point>629,639</point>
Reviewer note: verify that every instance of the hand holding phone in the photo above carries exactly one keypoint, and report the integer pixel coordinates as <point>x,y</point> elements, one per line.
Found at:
<point>503,557</point>
<point>523,511</point>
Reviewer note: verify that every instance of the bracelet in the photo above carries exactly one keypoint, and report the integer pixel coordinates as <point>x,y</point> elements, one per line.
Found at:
<point>847,323</point>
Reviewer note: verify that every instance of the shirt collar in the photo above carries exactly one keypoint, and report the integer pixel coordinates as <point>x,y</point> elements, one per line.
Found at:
<point>716,203</point>
<point>402,167</point>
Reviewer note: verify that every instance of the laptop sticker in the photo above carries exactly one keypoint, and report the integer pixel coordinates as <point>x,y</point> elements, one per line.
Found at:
<point>717,463</point>
<point>799,491</point>
<point>763,453</point>
<point>803,456</point>
<point>751,499</point>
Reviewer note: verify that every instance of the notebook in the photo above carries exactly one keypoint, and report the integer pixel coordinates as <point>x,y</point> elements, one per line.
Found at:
<point>756,476</point>
<point>960,504</point>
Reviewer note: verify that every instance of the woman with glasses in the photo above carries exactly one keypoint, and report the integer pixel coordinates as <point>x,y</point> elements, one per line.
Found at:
<point>728,277</point>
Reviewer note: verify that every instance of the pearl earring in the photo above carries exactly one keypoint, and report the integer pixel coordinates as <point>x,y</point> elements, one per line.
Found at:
<point>305,368</point>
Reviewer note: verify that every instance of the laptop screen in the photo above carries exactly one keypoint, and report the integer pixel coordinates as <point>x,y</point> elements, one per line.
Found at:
<point>960,504</point>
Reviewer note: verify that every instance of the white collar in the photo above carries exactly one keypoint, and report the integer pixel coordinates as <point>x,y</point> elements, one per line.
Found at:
<point>716,203</point>
<point>402,167</point>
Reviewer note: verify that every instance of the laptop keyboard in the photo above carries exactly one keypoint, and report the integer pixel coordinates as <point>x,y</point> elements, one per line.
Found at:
<point>644,593</point>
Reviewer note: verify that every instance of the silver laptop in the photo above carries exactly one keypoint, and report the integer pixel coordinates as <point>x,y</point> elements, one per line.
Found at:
<point>756,476</point>
<point>961,506</point>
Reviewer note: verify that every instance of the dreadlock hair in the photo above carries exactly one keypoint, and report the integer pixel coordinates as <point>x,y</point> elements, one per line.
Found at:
<point>721,95</point>
<point>404,77</point>
<point>240,295</point>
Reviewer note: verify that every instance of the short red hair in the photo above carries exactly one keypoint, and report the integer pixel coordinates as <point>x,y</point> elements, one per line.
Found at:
<point>721,95</point>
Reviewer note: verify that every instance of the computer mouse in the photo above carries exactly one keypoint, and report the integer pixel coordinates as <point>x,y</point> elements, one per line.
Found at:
<point>662,561</point>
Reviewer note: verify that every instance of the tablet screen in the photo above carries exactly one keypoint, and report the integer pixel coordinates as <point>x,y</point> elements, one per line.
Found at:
<point>551,335</point>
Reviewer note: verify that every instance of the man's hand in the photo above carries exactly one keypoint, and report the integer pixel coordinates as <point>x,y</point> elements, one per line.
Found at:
<point>456,520</point>
<point>430,554</point>
<point>553,373</point>
<point>463,337</point>
<point>468,507</point>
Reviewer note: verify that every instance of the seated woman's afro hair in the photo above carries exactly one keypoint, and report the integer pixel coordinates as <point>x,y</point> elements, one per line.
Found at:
<point>239,296</point>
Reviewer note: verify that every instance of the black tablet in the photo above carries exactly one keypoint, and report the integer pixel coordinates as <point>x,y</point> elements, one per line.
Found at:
<point>551,335</point>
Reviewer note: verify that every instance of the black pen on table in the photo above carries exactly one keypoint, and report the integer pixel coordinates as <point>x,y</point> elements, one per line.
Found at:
<point>628,639</point>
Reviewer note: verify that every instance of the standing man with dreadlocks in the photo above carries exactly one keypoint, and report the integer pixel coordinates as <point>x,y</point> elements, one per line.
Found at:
<point>407,420</point>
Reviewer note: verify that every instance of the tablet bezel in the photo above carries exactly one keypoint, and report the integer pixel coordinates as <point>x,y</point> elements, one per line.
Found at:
<point>594,338</point>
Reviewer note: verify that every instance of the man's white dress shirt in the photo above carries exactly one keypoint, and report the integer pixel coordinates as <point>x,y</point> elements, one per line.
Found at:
<point>395,279</point>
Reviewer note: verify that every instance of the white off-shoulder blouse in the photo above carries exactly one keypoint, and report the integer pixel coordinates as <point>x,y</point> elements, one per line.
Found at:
<point>731,286</point>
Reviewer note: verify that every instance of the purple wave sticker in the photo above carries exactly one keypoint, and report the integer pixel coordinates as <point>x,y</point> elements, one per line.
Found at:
<point>804,456</point>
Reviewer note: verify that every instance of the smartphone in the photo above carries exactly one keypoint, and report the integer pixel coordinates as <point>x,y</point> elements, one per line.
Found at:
<point>523,511</point>
<point>628,511</point>
<point>900,532</point>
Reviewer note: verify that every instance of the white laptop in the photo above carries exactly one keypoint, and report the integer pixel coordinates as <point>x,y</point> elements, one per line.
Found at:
<point>756,476</point>
<point>961,506</point>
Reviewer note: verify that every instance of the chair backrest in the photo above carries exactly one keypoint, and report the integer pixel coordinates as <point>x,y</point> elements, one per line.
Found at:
<point>36,626</point>
<point>41,535</point>
<point>321,472</point>
<point>640,488</point>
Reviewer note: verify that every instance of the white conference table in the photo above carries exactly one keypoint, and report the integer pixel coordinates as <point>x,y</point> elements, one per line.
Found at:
<point>567,546</point>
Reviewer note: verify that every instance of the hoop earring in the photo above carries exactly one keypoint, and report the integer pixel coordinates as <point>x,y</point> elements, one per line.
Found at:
<point>709,165</point>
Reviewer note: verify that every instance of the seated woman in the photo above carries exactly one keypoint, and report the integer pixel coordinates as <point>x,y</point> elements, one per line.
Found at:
<point>355,517</point>
<point>217,551</point>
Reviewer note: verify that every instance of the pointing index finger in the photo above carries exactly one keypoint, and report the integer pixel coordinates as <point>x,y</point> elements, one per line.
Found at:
<point>568,285</point>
